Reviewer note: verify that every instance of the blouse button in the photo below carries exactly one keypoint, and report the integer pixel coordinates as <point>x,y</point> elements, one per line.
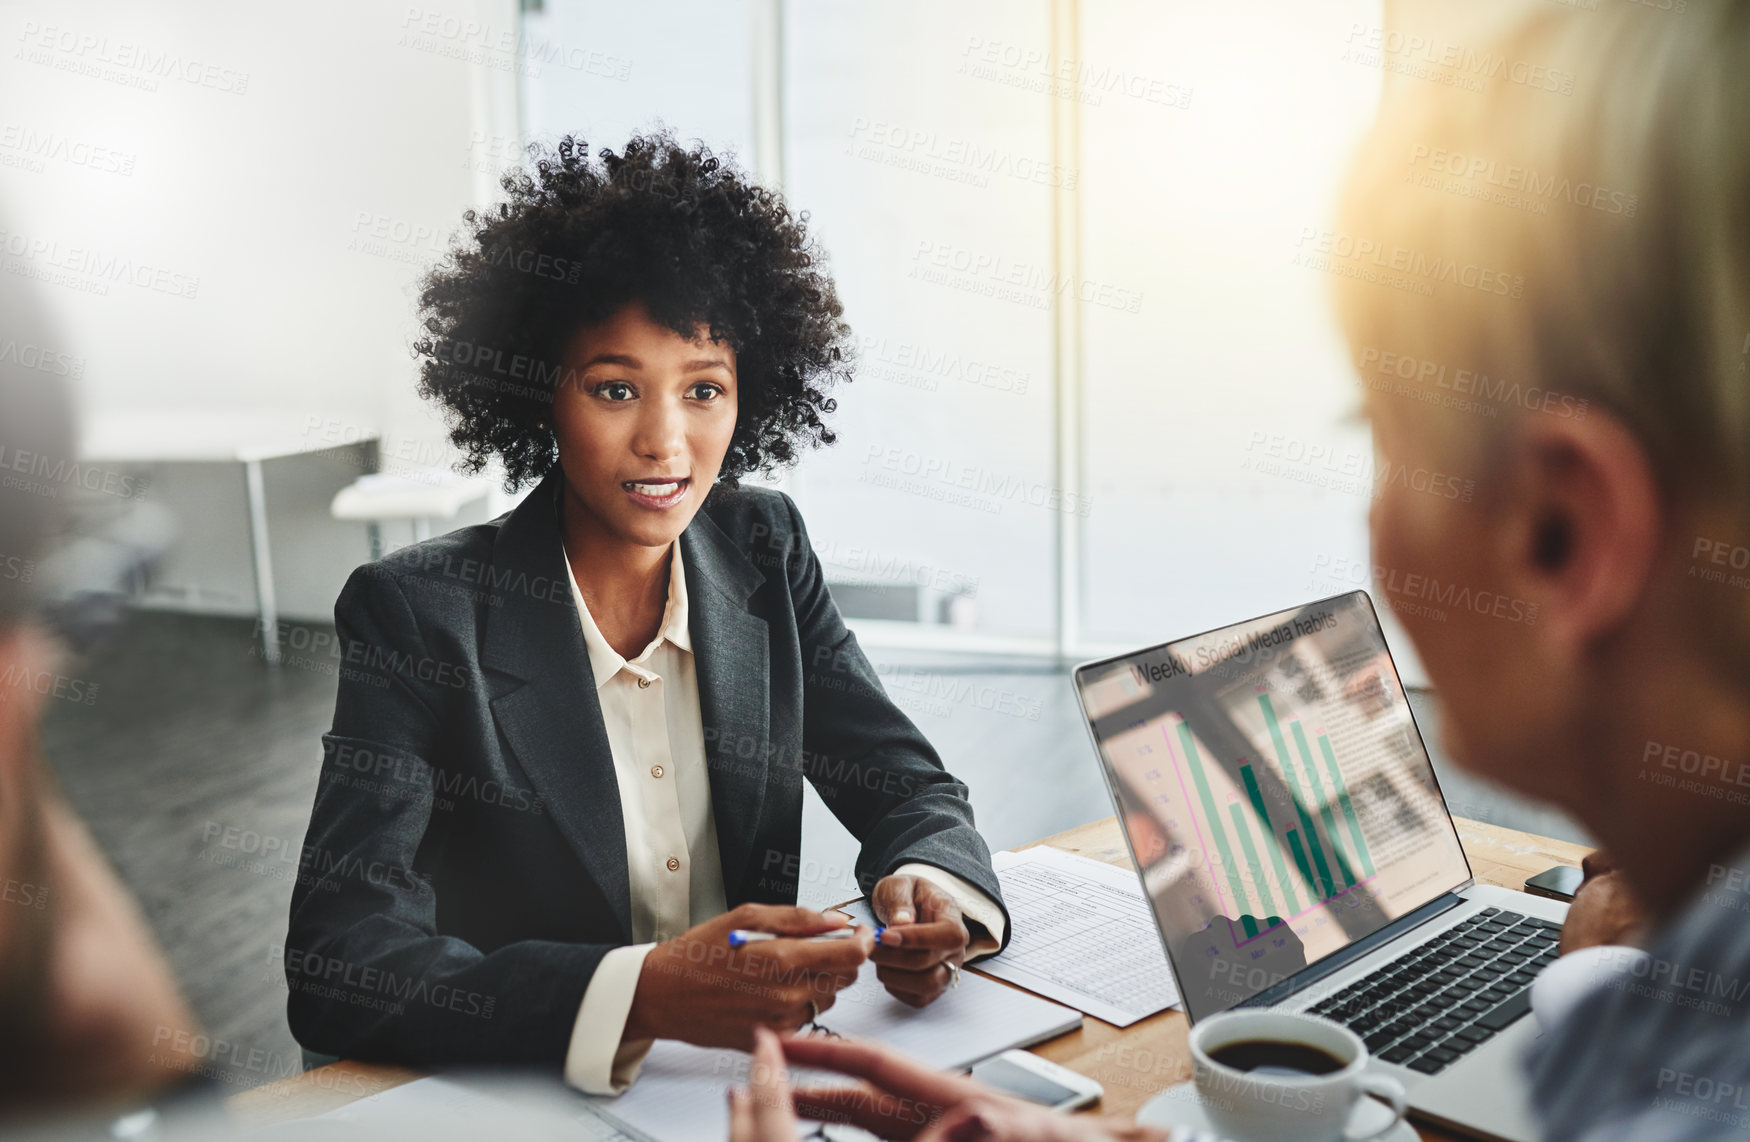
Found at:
<point>644,684</point>
<point>673,864</point>
<point>656,771</point>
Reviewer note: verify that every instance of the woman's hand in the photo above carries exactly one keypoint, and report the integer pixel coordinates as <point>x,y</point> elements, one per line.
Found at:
<point>923,942</point>
<point>698,989</point>
<point>901,1099</point>
<point>1605,910</point>
<point>764,1112</point>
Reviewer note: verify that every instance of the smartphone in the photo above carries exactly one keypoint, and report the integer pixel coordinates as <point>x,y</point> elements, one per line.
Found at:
<point>1026,1075</point>
<point>1558,883</point>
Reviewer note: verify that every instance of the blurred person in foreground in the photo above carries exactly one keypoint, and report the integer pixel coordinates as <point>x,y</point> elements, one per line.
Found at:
<point>1561,314</point>
<point>86,998</point>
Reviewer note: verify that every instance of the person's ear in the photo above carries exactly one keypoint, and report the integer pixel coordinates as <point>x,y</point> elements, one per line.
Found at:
<point>1582,523</point>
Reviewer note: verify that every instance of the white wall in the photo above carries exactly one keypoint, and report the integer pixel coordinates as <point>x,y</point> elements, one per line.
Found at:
<point>290,170</point>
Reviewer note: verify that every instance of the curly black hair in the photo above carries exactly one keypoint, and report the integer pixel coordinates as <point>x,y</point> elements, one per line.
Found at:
<point>681,230</point>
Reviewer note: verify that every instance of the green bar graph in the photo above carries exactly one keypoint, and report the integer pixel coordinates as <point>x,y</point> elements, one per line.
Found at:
<point>1299,855</point>
<point>1324,805</point>
<point>1228,864</point>
<point>1306,825</point>
<point>1348,807</point>
<point>1269,905</point>
<point>1270,841</point>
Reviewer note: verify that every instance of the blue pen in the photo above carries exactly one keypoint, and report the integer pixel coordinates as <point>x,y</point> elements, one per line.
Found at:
<point>740,937</point>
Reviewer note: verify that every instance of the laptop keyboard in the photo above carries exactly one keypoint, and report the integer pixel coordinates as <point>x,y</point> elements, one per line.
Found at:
<point>1429,1007</point>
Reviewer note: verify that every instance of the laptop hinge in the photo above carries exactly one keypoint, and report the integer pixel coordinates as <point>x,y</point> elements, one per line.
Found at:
<point>1313,973</point>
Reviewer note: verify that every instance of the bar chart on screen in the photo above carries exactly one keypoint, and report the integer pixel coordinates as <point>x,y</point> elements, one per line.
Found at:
<point>1270,858</point>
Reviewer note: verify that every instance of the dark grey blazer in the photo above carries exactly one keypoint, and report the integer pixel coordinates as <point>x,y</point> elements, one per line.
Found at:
<point>465,869</point>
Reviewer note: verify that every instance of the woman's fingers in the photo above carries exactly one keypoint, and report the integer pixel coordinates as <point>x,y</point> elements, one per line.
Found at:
<point>884,1068</point>
<point>741,1123</point>
<point>867,1108</point>
<point>773,1111</point>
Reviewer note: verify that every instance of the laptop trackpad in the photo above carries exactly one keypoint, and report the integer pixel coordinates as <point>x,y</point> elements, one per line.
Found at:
<point>1486,1093</point>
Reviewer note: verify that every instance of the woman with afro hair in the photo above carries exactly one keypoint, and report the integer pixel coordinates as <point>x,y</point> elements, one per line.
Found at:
<point>569,744</point>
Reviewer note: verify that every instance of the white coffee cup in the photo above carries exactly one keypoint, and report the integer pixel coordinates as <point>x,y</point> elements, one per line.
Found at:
<point>1265,1106</point>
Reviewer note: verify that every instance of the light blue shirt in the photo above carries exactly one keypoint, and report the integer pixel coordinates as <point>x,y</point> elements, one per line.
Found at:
<point>1659,1045</point>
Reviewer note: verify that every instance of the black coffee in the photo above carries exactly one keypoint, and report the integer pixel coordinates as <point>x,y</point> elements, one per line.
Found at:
<point>1276,1057</point>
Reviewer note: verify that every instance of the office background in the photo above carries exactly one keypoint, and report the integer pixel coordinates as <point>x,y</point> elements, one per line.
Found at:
<point>1101,399</point>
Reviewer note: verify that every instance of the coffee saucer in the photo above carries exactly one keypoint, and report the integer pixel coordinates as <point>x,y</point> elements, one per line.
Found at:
<point>1180,1106</point>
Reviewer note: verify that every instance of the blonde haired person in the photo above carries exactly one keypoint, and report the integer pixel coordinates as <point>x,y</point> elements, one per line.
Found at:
<point>1544,285</point>
<point>1555,304</point>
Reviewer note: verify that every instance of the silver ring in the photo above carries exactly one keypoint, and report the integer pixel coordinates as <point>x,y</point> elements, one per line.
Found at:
<point>954,976</point>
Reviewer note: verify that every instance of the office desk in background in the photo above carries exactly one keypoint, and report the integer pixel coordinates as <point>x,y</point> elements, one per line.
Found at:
<point>196,437</point>
<point>1132,1063</point>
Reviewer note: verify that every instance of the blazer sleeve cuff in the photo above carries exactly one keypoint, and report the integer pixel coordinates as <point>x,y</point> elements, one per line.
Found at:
<point>973,904</point>
<point>597,1062</point>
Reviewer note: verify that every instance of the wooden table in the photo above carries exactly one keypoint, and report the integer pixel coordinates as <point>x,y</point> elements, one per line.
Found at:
<point>1131,1063</point>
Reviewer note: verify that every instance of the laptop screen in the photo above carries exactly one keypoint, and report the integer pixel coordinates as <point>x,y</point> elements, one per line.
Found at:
<point>1275,792</point>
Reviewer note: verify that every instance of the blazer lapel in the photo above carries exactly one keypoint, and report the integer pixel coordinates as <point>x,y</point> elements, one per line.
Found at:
<point>732,657</point>
<point>553,720</point>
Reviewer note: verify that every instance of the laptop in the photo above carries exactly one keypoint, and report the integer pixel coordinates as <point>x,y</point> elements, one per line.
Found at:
<point>1292,839</point>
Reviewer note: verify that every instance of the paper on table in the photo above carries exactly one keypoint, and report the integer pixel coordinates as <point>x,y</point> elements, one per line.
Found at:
<point>682,1090</point>
<point>443,1107</point>
<point>1083,934</point>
